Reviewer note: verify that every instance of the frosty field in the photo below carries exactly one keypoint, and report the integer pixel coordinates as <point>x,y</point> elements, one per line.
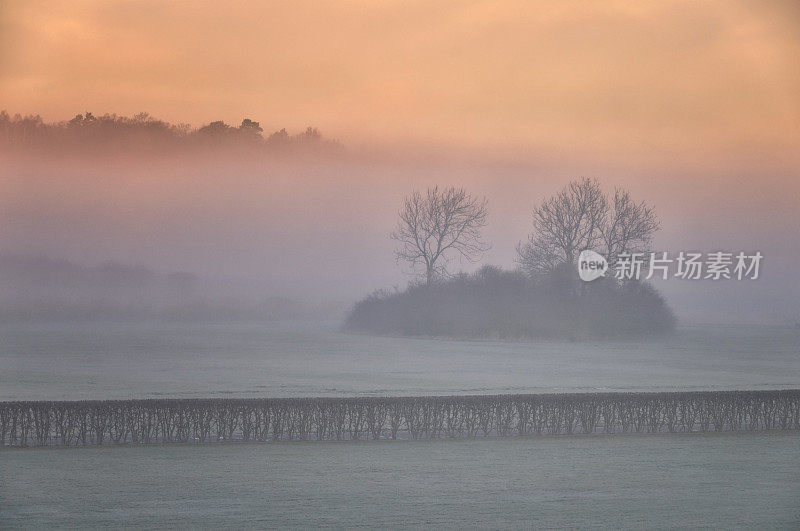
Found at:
<point>715,480</point>
<point>73,361</point>
<point>721,480</point>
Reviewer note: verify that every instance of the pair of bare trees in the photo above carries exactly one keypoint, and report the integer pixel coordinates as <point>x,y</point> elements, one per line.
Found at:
<point>580,217</point>
<point>440,225</point>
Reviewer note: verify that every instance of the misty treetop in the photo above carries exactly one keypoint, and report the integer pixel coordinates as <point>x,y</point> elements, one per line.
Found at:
<point>90,134</point>
<point>544,297</point>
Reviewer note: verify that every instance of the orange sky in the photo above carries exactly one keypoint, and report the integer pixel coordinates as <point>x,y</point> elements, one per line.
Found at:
<point>692,106</point>
<point>599,77</point>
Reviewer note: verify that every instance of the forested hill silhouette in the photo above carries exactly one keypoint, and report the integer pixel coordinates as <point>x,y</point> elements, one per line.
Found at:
<point>110,133</point>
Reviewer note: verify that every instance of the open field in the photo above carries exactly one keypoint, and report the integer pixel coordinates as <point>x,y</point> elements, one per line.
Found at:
<point>722,480</point>
<point>101,361</point>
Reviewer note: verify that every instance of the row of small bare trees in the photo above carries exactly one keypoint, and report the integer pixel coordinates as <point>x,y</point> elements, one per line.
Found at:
<point>444,224</point>
<point>208,420</point>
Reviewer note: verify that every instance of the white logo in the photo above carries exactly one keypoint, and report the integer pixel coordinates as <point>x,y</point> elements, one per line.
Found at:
<point>591,265</point>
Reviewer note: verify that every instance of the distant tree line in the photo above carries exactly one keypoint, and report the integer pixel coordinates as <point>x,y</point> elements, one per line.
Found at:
<point>543,297</point>
<point>88,132</point>
<point>37,288</point>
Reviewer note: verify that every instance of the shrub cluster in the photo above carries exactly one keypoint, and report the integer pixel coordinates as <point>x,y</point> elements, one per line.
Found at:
<point>494,303</point>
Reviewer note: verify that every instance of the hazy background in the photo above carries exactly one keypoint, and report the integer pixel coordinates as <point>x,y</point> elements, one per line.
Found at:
<point>606,78</point>
<point>691,106</point>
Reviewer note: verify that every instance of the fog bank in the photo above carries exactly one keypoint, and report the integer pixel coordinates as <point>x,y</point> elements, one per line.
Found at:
<point>316,228</point>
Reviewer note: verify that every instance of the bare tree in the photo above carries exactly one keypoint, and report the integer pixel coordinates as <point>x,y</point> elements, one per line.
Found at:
<point>563,225</point>
<point>628,227</point>
<point>581,217</point>
<point>435,227</point>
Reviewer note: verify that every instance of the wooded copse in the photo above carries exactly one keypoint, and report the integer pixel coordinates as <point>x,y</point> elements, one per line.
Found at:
<point>544,297</point>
